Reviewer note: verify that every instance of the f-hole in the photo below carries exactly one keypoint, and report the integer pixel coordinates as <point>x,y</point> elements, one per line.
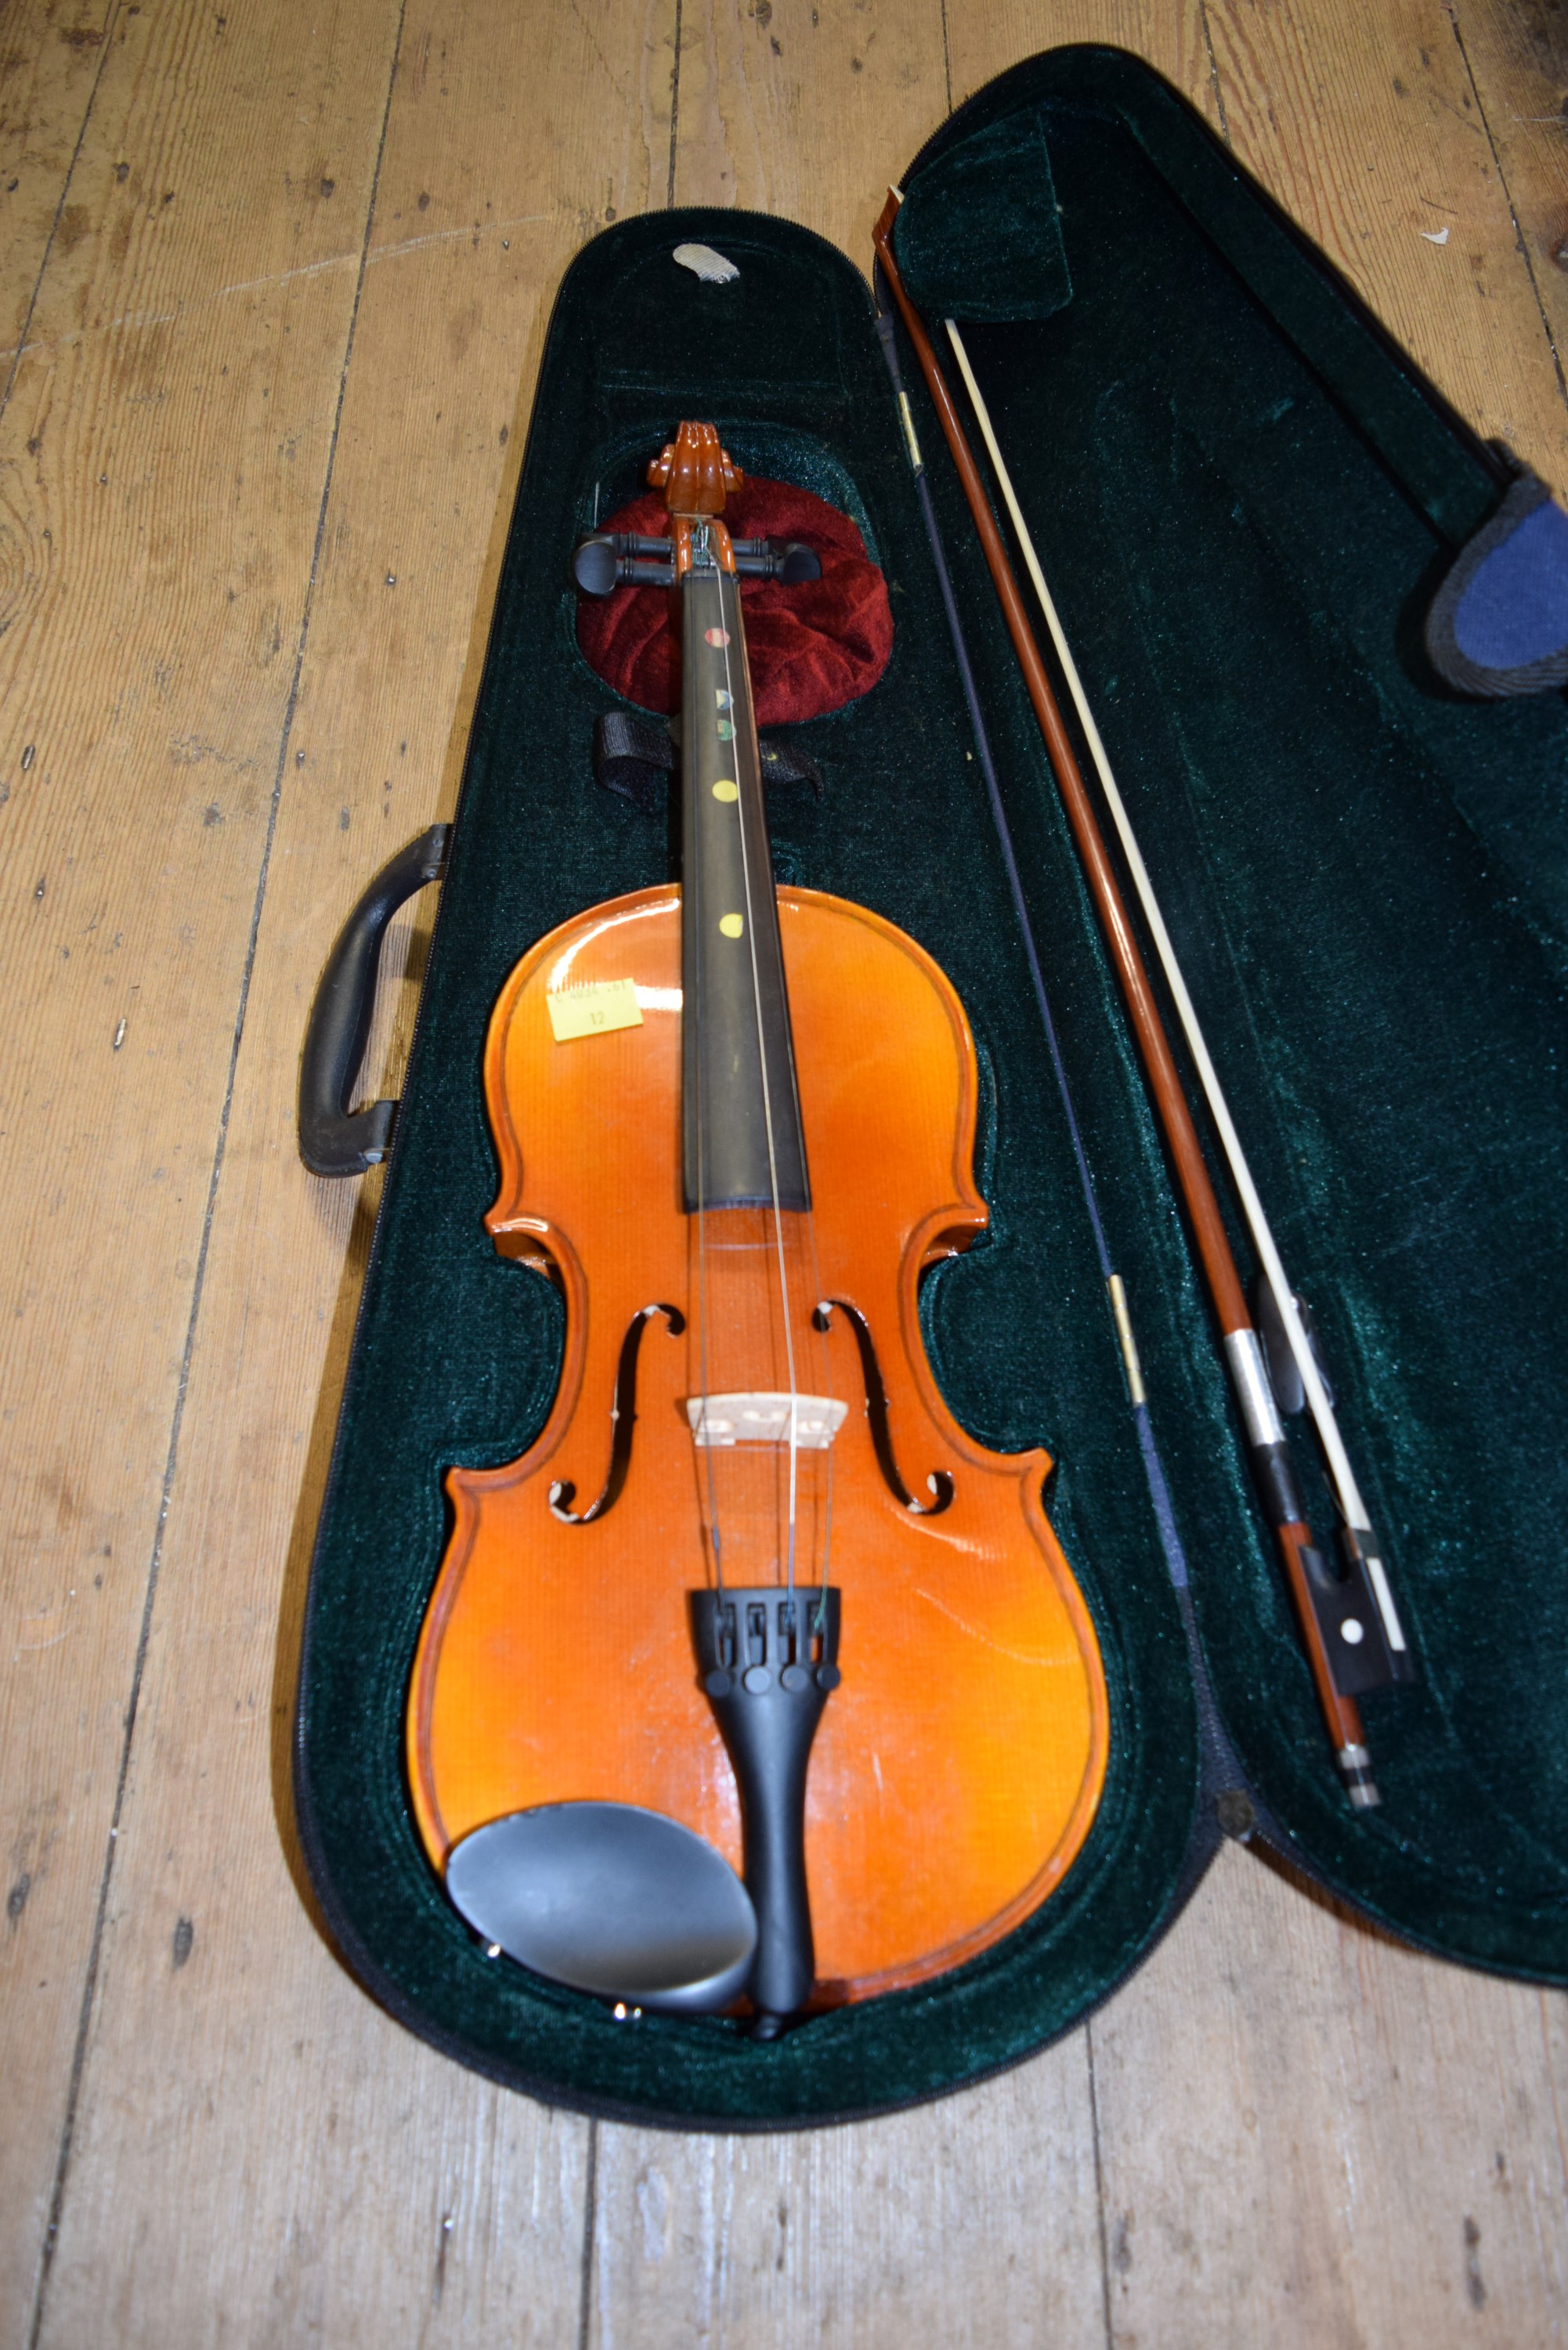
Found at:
<point>623,1417</point>
<point>940,1482</point>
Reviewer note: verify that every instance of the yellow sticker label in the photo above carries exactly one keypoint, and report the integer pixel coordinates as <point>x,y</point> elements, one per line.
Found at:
<point>594,1009</point>
<point>731,925</point>
<point>726,789</point>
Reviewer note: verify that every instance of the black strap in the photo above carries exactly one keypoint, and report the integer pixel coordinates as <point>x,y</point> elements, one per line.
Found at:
<point>334,1139</point>
<point>637,756</point>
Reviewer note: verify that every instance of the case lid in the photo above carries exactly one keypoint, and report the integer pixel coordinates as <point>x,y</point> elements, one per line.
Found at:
<point>1243,497</point>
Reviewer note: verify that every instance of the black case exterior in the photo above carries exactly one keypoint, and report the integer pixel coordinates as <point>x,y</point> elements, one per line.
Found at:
<point>1242,495</point>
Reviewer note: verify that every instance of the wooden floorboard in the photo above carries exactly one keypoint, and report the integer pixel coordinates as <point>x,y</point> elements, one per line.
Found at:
<point>51,61</point>
<point>1311,2135</point>
<point>162,471</point>
<point>423,2240</point>
<point>784,102</point>
<point>282,279</point>
<point>1371,126</point>
<point>975,2223</point>
<point>1515,54</point>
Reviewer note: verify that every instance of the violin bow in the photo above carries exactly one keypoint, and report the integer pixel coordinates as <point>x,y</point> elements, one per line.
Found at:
<point>1349,1624</point>
<point>1154,1467</point>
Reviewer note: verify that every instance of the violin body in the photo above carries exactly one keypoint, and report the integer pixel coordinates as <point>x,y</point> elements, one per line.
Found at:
<point>956,1767</point>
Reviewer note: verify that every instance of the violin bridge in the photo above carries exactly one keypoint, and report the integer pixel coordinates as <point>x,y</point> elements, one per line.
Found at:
<point>763,1418</point>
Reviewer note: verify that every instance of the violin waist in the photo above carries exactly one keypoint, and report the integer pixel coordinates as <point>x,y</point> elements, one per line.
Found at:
<point>957,1766</point>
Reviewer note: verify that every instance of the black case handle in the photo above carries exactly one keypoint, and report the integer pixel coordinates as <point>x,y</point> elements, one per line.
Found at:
<point>332,1140</point>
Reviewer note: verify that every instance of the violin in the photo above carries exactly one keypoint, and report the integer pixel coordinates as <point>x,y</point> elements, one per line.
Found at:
<point>755,1682</point>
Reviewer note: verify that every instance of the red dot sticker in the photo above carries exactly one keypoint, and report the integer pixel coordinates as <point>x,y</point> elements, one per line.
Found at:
<point>717,637</point>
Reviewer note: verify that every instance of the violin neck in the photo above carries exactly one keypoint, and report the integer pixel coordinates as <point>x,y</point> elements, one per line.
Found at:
<point>742,1139</point>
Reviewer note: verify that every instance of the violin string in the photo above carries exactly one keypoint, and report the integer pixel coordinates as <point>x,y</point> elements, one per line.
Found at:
<point>825,1375</point>
<point>751,933</point>
<point>691,882</point>
<point>825,1383</point>
<point>702,1353</point>
<point>825,1387</point>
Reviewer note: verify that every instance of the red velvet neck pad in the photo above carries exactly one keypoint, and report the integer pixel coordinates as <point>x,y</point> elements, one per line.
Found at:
<point>812,647</point>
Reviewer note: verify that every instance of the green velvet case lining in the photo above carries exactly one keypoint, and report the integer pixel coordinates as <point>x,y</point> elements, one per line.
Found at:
<point>1368,882</point>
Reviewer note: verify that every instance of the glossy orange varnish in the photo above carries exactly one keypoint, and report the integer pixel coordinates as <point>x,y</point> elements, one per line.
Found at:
<point>957,1766</point>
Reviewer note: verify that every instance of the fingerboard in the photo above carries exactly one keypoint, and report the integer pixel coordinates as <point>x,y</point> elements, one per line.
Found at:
<point>742,1140</point>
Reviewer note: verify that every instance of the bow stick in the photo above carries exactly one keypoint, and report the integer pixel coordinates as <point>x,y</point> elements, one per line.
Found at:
<point>1349,1624</point>
<point>1154,1467</point>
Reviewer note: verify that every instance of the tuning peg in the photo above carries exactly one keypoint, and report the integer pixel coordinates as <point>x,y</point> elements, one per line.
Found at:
<point>612,559</point>
<point>787,561</point>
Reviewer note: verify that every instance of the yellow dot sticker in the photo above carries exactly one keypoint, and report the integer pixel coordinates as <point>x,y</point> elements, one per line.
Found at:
<point>726,789</point>
<point>731,925</point>
<point>591,1010</point>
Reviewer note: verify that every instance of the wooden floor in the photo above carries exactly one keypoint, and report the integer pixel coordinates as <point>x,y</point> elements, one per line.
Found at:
<point>274,285</point>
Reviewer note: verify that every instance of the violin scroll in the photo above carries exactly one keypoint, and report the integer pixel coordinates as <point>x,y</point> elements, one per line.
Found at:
<point>695,472</point>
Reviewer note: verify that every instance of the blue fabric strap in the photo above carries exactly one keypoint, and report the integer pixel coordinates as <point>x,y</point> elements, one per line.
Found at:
<point>1499,623</point>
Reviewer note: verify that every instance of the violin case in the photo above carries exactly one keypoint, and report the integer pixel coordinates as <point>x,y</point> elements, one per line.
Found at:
<point>1245,498</point>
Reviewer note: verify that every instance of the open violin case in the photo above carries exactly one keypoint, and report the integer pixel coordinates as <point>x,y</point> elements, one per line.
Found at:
<point>1245,499</point>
